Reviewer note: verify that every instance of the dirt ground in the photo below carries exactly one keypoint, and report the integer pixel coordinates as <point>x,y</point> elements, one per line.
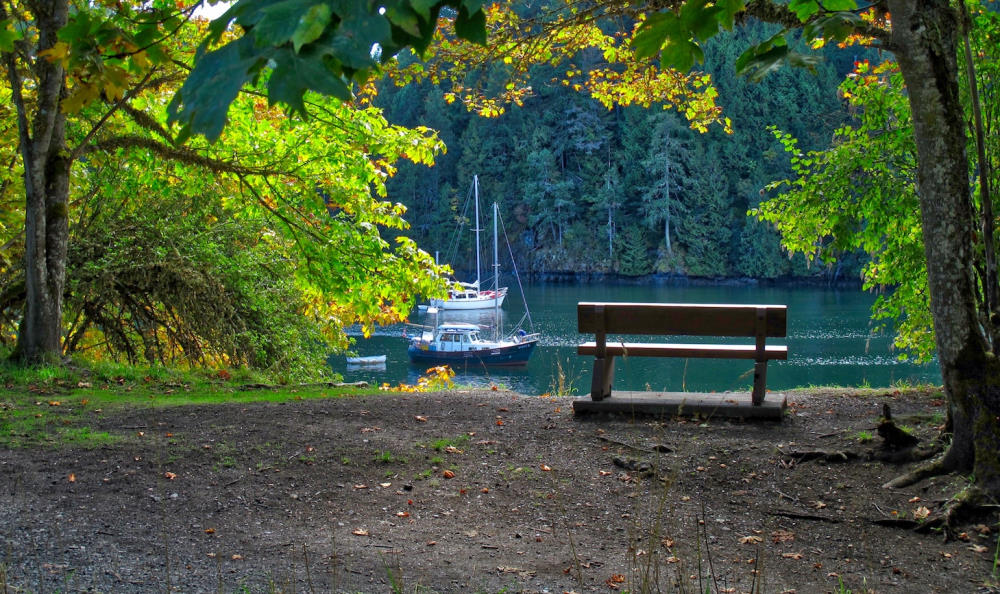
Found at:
<point>480,491</point>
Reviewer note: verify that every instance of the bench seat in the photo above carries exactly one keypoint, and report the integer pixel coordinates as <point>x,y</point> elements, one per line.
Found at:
<point>731,321</point>
<point>705,351</point>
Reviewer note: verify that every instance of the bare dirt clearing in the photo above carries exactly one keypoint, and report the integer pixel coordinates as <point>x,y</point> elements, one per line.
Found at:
<point>483,491</point>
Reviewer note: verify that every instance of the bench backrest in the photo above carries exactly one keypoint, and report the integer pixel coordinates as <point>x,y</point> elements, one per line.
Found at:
<point>688,319</point>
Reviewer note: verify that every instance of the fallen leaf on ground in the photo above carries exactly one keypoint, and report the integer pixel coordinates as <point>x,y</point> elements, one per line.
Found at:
<point>978,549</point>
<point>209,530</point>
<point>359,532</point>
<point>421,418</point>
<point>71,478</point>
<point>448,474</point>
<point>921,513</point>
<point>792,555</point>
<point>237,557</point>
<point>545,467</point>
<point>782,536</point>
<point>750,540</point>
<point>360,486</point>
<point>170,475</point>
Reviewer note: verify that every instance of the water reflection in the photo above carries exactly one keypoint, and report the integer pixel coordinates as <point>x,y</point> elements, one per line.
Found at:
<point>829,343</point>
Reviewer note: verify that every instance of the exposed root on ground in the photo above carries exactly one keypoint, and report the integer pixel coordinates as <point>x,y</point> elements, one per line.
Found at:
<point>934,468</point>
<point>970,505</point>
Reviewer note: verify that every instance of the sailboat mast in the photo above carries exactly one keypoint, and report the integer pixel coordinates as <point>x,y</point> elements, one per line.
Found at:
<point>496,271</point>
<point>475,191</point>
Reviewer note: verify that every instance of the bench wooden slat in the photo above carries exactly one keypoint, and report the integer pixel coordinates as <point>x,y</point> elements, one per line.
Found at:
<point>680,319</point>
<point>712,351</point>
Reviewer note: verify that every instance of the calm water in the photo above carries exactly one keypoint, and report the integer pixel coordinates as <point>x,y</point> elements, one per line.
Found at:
<point>829,343</point>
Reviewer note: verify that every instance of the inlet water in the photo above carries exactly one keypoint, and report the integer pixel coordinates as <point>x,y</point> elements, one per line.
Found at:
<point>830,342</point>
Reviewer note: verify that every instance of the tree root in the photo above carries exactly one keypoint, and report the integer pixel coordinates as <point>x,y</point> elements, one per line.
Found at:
<point>971,504</point>
<point>934,468</point>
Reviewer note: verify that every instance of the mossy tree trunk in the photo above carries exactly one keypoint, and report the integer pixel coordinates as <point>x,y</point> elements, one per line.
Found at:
<point>42,138</point>
<point>924,39</point>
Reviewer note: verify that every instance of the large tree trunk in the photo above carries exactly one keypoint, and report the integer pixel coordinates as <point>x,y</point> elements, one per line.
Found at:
<point>46,185</point>
<point>924,38</point>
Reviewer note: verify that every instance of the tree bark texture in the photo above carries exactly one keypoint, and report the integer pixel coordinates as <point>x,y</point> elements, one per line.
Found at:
<point>46,185</point>
<point>924,38</point>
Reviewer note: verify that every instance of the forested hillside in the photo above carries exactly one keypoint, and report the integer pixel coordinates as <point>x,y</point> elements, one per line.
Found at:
<point>630,191</point>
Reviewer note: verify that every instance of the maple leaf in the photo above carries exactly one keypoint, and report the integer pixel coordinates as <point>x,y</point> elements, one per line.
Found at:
<point>921,513</point>
<point>750,540</point>
<point>545,467</point>
<point>448,474</point>
<point>782,536</point>
<point>792,555</point>
<point>71,478</point>
<point>359,532</point>
<point>170,475</point>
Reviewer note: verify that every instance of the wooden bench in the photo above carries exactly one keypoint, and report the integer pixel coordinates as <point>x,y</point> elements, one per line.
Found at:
<point>758,322</point>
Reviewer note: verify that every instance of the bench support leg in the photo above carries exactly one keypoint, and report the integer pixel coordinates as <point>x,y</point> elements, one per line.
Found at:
<point>759,382</point>
<point>604,375</point>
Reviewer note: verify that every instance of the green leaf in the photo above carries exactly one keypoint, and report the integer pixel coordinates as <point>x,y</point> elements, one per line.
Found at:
<point>700,21</point>
<point>757,65</point>
<point>422,7</point>
<point>471,24</point>
<point>279,21</point>
<point>311,25</point>
<point>351,43</point>
<point>840,5</point>
<point>654,33</point>
<point>804,8</point>
<point>730,8</point>
<point>294,74</point>
<point>836,26</point>
<point>8,35</point>
<point>215,81</point>
<point>681,54</point>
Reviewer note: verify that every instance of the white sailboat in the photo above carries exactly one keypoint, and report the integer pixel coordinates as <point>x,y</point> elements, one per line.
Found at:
<point>457,343</point>
<point>468,296</point>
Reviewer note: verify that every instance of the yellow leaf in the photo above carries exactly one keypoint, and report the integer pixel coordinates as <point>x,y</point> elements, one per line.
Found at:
<point>58,52</point>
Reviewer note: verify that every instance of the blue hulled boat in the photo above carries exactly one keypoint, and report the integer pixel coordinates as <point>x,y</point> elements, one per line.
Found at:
<point>460,344</point>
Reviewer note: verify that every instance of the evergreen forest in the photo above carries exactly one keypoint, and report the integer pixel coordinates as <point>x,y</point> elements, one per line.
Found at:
<point>631,191</point>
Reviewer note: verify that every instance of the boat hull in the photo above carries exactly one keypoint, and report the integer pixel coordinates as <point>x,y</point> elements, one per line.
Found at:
<point>365,361</point>
<point>513,355</point>
<point>468,304</point>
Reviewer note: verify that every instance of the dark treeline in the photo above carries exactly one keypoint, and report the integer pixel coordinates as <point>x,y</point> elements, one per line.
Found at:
<point>630,191</point>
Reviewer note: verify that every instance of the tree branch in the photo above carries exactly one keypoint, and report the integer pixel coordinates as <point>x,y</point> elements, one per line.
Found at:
<point>180,154</point>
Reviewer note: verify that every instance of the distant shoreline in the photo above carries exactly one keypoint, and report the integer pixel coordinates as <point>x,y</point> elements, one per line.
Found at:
<point>680,280</point>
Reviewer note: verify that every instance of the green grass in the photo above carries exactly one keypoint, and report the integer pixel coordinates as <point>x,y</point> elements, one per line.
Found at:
<point>453,442</point>
<point>59,405</point>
